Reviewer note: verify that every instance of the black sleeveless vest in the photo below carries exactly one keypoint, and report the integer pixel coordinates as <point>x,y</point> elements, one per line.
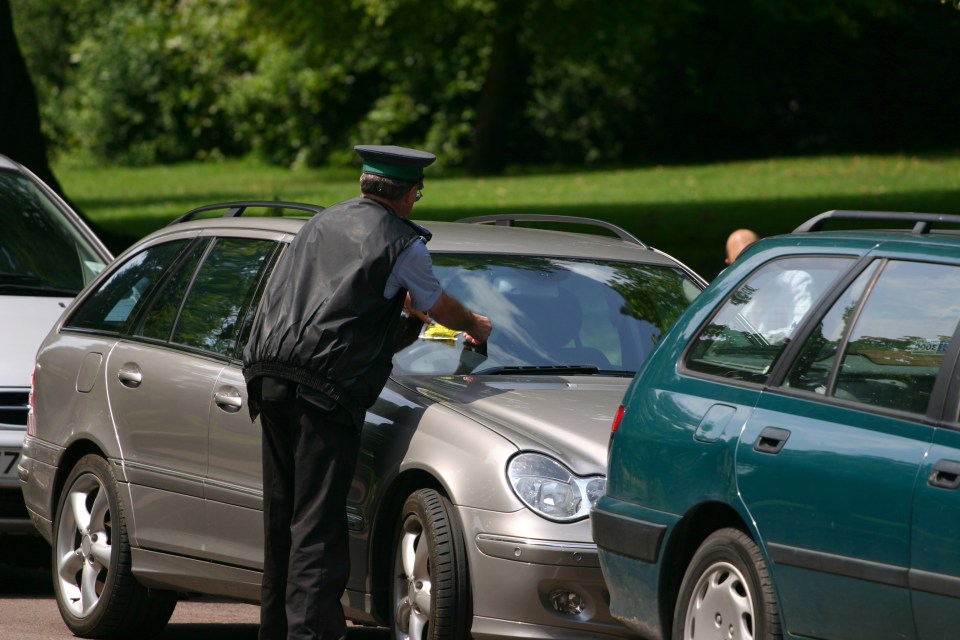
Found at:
<point>323,321</point>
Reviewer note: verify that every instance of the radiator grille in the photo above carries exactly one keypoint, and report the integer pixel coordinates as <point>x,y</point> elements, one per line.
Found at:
<point>13,407</point>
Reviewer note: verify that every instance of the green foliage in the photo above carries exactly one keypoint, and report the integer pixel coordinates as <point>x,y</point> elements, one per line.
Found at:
<point>490,84</point>
<point>687,210</point>
<point>143,82</point>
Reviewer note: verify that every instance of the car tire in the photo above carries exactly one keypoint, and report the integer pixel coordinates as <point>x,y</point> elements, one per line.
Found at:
<point>727,587</point>
<point>431,591</point>
<point>96,592</point>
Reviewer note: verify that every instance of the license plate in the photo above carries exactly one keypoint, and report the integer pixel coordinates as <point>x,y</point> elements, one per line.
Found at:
<point>8,463</point>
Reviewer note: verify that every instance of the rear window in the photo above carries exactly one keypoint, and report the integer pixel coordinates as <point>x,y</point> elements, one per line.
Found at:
<point>114,303</point>
<point>751,329</point>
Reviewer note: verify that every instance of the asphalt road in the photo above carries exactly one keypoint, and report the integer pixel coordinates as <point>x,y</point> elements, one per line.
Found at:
<point>28,611</point>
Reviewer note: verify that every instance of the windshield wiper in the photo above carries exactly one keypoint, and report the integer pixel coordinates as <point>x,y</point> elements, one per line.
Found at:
<point>32,284</point>
<point>23,278</point>
<point>547,369</point>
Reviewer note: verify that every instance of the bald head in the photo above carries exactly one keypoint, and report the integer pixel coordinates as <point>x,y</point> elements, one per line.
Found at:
<point>738,241</point>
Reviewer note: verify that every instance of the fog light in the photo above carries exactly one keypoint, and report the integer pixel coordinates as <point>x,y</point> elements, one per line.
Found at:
<point>567,602</point>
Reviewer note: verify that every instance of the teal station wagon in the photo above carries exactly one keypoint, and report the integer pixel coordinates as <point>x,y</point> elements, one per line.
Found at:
<point>787,461</point>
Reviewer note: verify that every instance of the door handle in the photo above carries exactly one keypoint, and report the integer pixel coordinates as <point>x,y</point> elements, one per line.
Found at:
<point>130,375</point>
<point>771,440</point>
<point>228,399</point>
<point>945,474</point>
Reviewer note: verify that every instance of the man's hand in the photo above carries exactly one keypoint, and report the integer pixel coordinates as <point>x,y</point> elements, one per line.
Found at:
<point>481,332</point>
<point>449,312</point>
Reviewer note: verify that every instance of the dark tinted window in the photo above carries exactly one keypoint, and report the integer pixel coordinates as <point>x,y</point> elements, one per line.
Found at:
<point>40,249</point>
<point>892,344</point>
<point>118,297</point>
<point>222,289</point>
<point>552,312</point>
<point>751,329</point>
<point>159,319</point>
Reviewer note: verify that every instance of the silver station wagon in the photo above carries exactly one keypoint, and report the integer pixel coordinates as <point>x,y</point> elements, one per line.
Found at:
<point>477,470</point>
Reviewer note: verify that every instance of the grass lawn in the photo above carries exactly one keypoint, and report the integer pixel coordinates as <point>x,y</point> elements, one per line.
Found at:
<point>686,211</point>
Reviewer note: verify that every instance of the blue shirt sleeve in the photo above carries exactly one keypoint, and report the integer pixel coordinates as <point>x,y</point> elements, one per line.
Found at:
<point>413,271</point>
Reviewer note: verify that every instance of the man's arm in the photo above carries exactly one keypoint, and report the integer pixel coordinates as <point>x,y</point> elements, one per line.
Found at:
<point>449,312</point>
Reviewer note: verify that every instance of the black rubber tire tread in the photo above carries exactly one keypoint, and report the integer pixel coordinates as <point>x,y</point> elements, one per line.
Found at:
<point>736,547</point>
<point>126,609</point>
<point>451,607</point>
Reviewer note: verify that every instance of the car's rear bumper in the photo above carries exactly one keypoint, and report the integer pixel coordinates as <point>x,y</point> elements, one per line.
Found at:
<point>630,547</point>
<point>37,473</point>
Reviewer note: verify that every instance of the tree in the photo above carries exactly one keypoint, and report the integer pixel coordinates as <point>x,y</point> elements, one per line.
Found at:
<point>20,134</point>
<point>484,83</point>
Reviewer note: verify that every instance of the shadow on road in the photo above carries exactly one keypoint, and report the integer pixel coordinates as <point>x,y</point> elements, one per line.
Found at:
<point>220,631</point>
<point>25,579</point>
<point>25,582</point>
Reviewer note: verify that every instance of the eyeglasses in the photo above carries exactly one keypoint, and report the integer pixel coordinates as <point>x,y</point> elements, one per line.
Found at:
<point>419,195</point>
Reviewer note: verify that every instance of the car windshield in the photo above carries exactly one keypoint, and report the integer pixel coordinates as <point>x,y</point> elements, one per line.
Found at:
<point>41,251</point>
<point>549,315</point>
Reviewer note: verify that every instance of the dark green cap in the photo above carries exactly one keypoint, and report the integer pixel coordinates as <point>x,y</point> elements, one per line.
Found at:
<point>394,162</point>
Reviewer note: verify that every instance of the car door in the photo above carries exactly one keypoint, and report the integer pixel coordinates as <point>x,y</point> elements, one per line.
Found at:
<point>160,398</point>
<point>935,548</point>
<point>220,305</point>
<point>935,535</point>
<point>828,463</point>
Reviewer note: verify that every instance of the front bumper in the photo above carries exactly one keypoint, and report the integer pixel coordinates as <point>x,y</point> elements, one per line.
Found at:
<point>523,577</point>
<point>13,512</point>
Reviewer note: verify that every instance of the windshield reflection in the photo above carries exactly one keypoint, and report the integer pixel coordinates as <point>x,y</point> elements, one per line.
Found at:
<point>551,312</point>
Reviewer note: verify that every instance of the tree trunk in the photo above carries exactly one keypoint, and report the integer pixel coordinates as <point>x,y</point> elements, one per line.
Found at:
<point>500,97</point>
<point>20,135</point>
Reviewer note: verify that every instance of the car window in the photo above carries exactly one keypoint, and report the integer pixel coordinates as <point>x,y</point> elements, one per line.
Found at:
<point>897,341</point>
<point>553,312</point>
<point>812,368</point>
<point>746,336</point>
<point>120,295</point>
<point>221,290</point>
<point>40,248</point>
<point>159,318</point>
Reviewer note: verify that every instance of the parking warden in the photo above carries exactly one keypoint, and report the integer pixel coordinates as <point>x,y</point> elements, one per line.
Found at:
<point>319,353</point>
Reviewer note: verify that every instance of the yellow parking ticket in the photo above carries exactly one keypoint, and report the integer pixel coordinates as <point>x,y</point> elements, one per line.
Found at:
<point>435,331</point>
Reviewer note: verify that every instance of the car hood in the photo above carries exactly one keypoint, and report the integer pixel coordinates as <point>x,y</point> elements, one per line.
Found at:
<point>568,417</point>
<point>24,322</point>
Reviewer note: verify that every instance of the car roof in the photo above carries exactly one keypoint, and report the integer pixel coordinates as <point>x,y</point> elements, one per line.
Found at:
<point>472,235</point>
<point>907,232</point>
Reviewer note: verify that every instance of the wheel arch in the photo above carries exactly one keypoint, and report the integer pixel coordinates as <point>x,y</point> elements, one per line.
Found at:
<point>382,530</point>
<point>71,455</point>
<point>686,537</point>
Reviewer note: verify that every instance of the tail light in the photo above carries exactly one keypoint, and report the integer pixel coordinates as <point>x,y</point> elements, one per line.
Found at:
<point>616,420</point>
<point>31,427</point>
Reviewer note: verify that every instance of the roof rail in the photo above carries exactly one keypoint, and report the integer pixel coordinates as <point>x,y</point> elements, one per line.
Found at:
<point>922,221</point>
<point>236,209</point>
<point>509,220</point>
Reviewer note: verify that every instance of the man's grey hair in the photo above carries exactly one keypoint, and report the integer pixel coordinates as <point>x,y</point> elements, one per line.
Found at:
<point>389,188</point>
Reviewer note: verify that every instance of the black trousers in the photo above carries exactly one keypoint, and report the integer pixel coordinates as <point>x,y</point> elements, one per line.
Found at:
<point>308,466</point>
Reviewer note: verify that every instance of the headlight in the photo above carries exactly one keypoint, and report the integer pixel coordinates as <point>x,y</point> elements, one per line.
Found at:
<point>552,490</point>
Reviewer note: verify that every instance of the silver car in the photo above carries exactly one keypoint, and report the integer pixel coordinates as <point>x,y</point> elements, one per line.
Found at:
<point>469,508</point>
<point>47,255</point>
